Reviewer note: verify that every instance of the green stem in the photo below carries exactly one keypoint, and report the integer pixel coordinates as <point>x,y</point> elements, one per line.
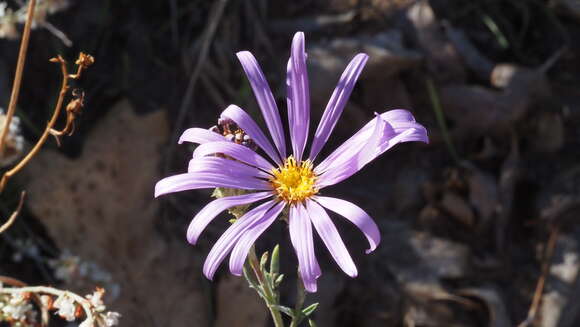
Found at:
<point>270,297</point>
<point>440,115</point>
<point>300,297</point>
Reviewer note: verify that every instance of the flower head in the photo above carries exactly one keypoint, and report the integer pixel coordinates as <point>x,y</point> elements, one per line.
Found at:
<point>294,181</point>
<point>284,180</point>
<point>17,308</point>
<point>66,307</point>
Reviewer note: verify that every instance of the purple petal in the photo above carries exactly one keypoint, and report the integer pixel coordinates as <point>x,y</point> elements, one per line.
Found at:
<point>230,237</point>
<point>214,208</point>
<point>337,102</point>
<point>265,99</point>
<point>245,122</point>
<point>357,156</point>
<point>240,251</point>
<point>298,96</point>
<point>199,180</point>
<point>301,237</point>
<point>379,135</point>
<point>227,167</point>
<point>399,119</point>
<point>355,215</point>
<point>200,135</point>
<point>331,238</point>
<point>235,151</point>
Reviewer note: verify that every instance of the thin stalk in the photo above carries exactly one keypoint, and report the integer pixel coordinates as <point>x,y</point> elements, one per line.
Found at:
<point>440,115</point>
<point>14,214</point>
<point>270,297</point>
<point>300,297</point>
<point>18,75</point>
<point>548,254</point>
<point>47,130</point>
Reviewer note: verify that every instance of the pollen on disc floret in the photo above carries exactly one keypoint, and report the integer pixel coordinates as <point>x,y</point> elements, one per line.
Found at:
<point>294,182</point>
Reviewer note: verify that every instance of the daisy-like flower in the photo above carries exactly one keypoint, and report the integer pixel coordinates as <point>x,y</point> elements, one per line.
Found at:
<point>284,180</point>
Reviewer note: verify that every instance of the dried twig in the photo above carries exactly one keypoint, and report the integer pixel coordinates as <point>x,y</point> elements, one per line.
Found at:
<point>83,62</point>
<point>549,252</point>
<point>15,214</point>
<point>56,32</point>
<point>18,74</point>
<point>14,100</point>
<point>217,12</point>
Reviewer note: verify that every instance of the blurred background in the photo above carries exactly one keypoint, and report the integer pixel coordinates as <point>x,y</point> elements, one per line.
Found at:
<point>479,228</point>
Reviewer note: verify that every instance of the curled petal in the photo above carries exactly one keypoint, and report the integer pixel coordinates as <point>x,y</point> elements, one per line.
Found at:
<point>240,251</point>
<point>265,99</point>
<point>224,166</point>
<point>214,208</point>
<point>236,151</point>
<point>355,158</point>
<point>301,237</point>
<point>331,238</point>
<point>379,135</point>
<point>399,120</point>
<point>298,96</point>
<point>228,240</point>
<point>337,102</point>
<point>355,215</point>
<point>242,119</point>
<point>201,136</point>
<point>197,180</point>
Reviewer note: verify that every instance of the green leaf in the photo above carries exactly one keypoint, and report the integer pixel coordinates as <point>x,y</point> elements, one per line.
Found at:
<point>252,282</point>
<point>440,117</point>
<point>248,277</point>
<point>312,323</point>
<point>275,260</point>
<point>263,261</point>
<point>309,309</point>
<point>283,309</point>
<point>278,280</point>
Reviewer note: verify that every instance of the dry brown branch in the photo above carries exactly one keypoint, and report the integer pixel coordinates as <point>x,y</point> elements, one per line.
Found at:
<point>15,214</point>
<point>214,19</point>
<point>18,74</point>
<point>14,100</point>
<point>548,253</point>
<point>73,108</point>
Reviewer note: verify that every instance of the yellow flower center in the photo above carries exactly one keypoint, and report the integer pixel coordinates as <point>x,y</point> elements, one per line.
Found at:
<point>294,182</point>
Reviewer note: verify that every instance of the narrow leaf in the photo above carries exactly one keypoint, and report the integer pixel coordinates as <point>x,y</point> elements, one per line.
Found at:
<point>275,260</point>
<point>263,261</point>
<point>253,283</point>
<point>309,309</point>
<point>284,310</point>
<point>279,280</point>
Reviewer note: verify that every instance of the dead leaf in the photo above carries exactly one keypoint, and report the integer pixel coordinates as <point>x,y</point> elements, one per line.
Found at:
<point>458,208</point>
<point>483,194</point>
<point>442,56</point>
<point>498,314</point>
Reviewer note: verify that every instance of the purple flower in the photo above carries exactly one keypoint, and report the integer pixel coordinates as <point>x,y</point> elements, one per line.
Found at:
<point>287,181</point>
